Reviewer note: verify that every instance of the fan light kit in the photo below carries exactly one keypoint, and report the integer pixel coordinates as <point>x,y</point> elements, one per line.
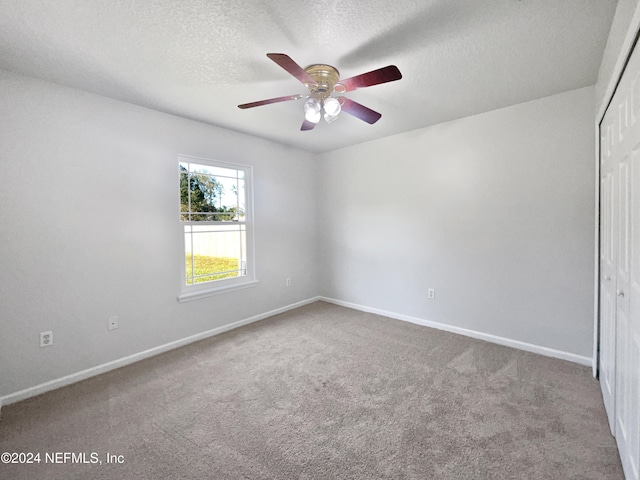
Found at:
<point>324,80</point>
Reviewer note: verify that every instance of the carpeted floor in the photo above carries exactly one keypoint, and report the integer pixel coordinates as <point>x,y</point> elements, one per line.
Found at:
<point>323,392</point>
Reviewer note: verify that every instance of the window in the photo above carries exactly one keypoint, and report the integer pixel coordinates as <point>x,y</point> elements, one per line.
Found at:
<point>216,219</point>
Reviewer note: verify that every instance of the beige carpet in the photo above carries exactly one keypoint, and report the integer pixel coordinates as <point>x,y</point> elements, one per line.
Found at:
<point>323,392</point>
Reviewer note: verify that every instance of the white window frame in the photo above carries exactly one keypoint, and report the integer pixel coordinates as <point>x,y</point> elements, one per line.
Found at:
<point>195,291</point>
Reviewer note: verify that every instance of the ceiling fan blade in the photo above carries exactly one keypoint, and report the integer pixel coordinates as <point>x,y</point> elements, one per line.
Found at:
<point>375,77</point>
<point>292,67</point>
<point>307,125</point>
<point>270,100</point>
<point>360,111</point>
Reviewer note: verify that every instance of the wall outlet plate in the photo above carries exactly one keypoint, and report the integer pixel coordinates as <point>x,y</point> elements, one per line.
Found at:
<point>432,293</point>
<point>288,282</point>
<point>112,323</point>
<point>46,339</point>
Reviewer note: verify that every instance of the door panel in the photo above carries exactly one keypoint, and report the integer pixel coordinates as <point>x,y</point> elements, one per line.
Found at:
<point>629,365</point>
<point>608,274</point>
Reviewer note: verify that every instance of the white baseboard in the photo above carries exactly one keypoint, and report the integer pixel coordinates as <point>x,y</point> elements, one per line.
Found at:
<point>136,357</point>
<point>507,342</point>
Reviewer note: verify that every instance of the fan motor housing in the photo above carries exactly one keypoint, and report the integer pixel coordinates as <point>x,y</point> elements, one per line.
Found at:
<point>326,78</point>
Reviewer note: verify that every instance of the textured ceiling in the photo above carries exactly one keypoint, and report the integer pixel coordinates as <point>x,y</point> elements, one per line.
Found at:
<point>201,58</point>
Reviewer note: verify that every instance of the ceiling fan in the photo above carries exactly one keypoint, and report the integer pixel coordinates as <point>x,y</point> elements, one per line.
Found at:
<point>324,80</point>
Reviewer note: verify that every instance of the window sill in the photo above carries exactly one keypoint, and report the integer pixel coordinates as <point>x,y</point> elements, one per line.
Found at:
<point>198,294</point>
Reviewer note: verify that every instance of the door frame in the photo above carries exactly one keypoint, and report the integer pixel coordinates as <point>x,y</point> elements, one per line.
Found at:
<point>630,41</point>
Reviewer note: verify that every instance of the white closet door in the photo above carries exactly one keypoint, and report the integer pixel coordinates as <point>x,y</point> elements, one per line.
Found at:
<point>620,286</point>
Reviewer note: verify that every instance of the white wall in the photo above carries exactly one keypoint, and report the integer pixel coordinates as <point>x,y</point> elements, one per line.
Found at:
<point>494,211</point>
<point>88,203</point>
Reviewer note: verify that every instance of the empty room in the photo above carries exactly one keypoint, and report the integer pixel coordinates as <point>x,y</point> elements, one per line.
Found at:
<point>320,240</point>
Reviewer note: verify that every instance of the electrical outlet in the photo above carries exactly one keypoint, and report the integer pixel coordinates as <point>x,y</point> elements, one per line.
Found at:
<point>432,293</point>
<point>112,323</point>
<point>288,282</point>
<point>46,339</point>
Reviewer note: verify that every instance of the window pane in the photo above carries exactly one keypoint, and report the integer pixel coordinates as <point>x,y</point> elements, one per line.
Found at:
<point>188,256</point>
<point>214,252</point>
<point>242,202</point>
<point>184,193</point>
<point>211,194</point>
